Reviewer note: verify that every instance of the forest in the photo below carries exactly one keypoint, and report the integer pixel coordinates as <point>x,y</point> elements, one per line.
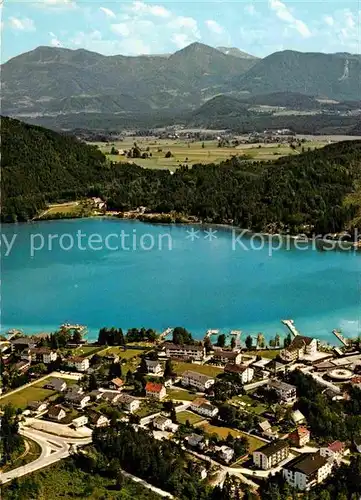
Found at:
<point>304,193</point>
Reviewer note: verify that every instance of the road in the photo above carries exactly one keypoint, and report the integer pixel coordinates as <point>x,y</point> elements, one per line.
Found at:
<point>53,448</point>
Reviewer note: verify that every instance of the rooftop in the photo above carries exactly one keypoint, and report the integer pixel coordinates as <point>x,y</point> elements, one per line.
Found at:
<point>307,463</point>
<point>153,387</point>
<point>184,347</point>
<point>278,385</point>
<point>200,377</point>
<point>272,448</point>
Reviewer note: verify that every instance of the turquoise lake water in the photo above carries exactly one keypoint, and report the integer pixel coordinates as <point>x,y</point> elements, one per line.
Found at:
<point>198,284</point>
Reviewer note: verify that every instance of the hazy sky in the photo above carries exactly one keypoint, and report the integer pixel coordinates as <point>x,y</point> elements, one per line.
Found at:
<point>135,27</point>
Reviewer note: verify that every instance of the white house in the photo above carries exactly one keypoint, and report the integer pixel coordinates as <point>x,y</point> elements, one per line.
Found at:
<point>300,347</point>
<point>230,357</point>
<point>153,366</point>
<point>194,352</point>
<point>286,393</point>
<point>79,421</point>
<point>203,407</point>
<point>56,384</point>
<point>56,413</point>
<point>43,355</point>
<point>129,402</point>
<point>162,423</point>
<point>245,372</point>
<point>225,453</point>
<point>80,364</point>
<point>197,380</point>
<point>97,419</point>
<point>335,451</point>
<point>77,400</point>
<point>155,391</point>
<point>271,454</point>
<point>196,441</point>
<point>37,406</point>
<point>307,470</point>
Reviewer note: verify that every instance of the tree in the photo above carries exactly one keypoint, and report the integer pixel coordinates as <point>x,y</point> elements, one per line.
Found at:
<point>207,345</point>
<point>287,341</point>
<point>277,340</point>
<point>11,441</point>
<point>77,337</point>
<point>261,341</point>
<point>233,343</point>
<point>129,378</point>
<point>92,382</point>
<point>249,342</point>
<point>168,370</point>
<point>168,154</point>
<point>221,341</point>
<point>182,336</point>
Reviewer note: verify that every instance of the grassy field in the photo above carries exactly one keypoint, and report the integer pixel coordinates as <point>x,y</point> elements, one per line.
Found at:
<point>223,432</point>
<point>63,208</point>
<point>130,358</point>
<point>258,409</point>
<point>86,351</point>
<point>148,408</point>
<point>35,392</point>
<point>210,370</point>
<point>266,353</point>
<point>183,416</point>
<point>185,152</point>
<point>181,394</point>
<point>61,481</point>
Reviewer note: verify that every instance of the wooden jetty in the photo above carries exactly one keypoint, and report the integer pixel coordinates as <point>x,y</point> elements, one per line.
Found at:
<point>341,338</point>
<point>291,326</point>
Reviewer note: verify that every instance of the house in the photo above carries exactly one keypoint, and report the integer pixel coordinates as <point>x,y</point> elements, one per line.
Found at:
<point>153,366</point>
<point>286,393</point>
<point>116,384</point>
<point>190,351</point>
<point>298,417</point>
<point>162,423</point>
<point>225,453</point>
<point>95,395</point>
<point>197,380</point>
<point>112,357</point>
<point>129,402</point>
<point>42,355</point>
<point>75,389</point>
<point>227,357</point>
<point>80,364</point>
<point>77,400</point>
<point>56,384</point>
<point>300,437</point>
<point>307,470</point>
<point>21,343</point>
<point>97,419</point>
<point>271,454</point>
<point>37,406</point>
<point>203,407</point>
<point>300,347</point>
<point>56,413</point>
<point>79,421</point>
<point>155,391</point>
<point>245,372</point>
<point>111,396</point>
<point>196,441</point>
<point>266,429</point>
<point>335,451</point>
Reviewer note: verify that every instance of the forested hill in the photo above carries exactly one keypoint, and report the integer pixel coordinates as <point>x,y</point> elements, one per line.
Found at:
<point>310,189</point>
<point>40,165</point>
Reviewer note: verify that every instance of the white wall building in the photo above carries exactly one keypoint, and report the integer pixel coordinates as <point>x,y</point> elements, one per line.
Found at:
<point>197,380</point>
<point>307,470</point>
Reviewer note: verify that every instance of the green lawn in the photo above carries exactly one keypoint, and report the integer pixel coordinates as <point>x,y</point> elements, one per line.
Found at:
<point>130,358</point>
<point>148,408</point>
<point>35,392</point>
<point>258,409</point>
<point>212,371</point>
<point>183,416</point>
<point>87,350</point>
<point>266,353</point>
<point>254,443</point>
<point>182,395</point>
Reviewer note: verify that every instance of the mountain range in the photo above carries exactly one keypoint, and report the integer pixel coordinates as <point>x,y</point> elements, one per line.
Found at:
<point>52,81</point>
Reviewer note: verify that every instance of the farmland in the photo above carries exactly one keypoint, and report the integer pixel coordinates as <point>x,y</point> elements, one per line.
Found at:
<point>189,152</point>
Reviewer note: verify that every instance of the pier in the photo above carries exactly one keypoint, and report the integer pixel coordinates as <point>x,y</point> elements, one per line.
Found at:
<point>165,334</point>
<point>341,338</point>
<point>291,326</point>
<point>68,327</point>
<point>209,333</point>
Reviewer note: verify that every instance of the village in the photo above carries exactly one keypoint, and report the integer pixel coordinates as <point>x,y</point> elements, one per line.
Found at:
<point>234,408</point>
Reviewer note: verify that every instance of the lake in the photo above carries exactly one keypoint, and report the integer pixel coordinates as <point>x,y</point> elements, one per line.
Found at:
<point>105,272</point>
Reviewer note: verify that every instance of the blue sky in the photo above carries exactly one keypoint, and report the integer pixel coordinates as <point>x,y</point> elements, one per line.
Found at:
<point>137,27</point>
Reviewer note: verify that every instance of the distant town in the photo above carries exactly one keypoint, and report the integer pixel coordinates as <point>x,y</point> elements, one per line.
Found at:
<point>248,416</point>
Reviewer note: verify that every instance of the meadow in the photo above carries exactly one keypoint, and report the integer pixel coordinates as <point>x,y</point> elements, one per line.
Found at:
<point>190,153</point>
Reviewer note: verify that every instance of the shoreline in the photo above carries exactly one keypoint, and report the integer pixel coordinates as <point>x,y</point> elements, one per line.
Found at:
<point>336,243</point>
